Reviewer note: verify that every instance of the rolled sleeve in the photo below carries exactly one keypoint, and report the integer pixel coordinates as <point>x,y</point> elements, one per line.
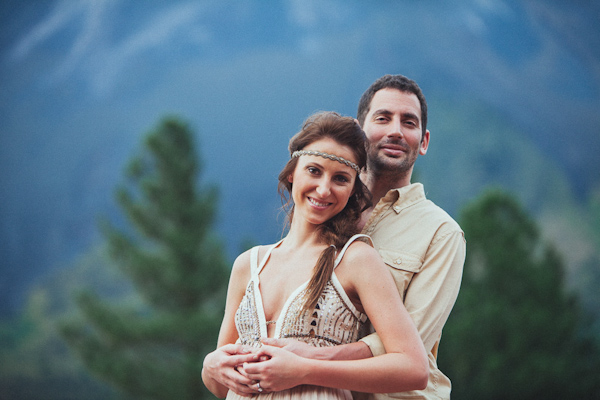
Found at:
<point>374,344</point>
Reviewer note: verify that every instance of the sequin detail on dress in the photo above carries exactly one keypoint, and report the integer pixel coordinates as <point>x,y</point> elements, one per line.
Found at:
<point>246,319</point>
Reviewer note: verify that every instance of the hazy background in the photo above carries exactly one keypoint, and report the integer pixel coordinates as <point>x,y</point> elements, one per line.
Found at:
<point>514,99</point>
<point>513,87</point>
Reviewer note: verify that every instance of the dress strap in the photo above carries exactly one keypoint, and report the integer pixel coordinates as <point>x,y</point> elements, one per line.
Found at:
<point>348,243</point>
<point>266,257</point>
<point>254,261</point>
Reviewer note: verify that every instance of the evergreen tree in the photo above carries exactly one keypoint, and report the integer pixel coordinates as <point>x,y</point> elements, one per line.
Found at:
<point>174,262</point>
<point>515,333</point>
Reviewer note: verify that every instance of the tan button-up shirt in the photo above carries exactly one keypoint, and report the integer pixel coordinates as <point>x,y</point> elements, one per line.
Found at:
<point>425,250</point>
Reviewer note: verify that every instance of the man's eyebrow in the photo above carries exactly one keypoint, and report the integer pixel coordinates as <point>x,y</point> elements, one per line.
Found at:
<point>382,111</point>
<point>387,113</point>
<point>410,115</point>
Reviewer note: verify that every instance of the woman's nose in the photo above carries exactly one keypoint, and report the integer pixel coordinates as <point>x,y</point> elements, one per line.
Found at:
<point>323,189</point>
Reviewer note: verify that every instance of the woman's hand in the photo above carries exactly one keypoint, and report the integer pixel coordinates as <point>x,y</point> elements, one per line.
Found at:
<point>281,369</point>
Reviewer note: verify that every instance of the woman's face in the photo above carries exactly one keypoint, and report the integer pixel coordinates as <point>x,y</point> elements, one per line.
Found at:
<point>321,187</point>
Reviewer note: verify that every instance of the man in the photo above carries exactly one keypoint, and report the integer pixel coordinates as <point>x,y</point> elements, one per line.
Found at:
<point>423,246</point>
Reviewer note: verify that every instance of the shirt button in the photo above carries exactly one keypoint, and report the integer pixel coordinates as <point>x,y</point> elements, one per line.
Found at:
<point>398,261</point>
<point>397,209</point>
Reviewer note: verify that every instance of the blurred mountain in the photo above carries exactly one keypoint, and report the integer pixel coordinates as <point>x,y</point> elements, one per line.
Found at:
<point>513,86</point>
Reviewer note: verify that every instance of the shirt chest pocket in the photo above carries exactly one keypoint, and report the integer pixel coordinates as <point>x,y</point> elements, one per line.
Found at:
<point>403,267</point>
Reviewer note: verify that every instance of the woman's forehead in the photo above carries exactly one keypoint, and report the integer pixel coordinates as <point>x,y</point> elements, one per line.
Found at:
<point>333,147</point>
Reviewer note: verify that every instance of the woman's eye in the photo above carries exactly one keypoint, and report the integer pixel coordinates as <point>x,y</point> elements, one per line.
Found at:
<point>342,179</point>
<point>312,170</point>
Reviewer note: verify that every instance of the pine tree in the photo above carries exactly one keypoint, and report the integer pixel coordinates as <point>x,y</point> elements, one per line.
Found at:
<point>515,332</point>
<point>176,266</point>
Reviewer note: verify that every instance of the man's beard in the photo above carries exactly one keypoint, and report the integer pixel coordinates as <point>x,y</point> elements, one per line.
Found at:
<point>379,164</point>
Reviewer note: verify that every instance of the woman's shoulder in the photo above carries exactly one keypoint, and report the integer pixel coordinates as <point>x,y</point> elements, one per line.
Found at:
<point>359,251</point>
<point>243,261</point>
<point>359,265</point>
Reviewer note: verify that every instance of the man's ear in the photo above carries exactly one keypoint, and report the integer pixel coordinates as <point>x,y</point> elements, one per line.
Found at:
<point>424,143</point>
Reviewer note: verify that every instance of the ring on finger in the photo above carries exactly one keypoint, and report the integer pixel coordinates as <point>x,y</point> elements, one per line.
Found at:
<point>258,387</point>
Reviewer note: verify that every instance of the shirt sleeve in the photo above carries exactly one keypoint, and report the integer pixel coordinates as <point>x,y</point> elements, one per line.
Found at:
<point>433,290</point>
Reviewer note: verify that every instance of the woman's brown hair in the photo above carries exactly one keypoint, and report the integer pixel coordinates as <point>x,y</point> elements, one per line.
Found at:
<point>337,230</point>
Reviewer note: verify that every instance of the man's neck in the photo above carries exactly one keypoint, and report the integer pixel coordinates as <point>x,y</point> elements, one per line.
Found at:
<point>380,184</point>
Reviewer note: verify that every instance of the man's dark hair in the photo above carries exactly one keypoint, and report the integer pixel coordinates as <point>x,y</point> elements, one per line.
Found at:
<point>399,82</point>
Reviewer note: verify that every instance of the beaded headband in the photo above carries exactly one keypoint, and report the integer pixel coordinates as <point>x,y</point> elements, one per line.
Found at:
<point>342,160</point>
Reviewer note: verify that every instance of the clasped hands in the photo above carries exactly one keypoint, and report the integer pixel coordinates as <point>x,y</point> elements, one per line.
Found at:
<point>245,370</point>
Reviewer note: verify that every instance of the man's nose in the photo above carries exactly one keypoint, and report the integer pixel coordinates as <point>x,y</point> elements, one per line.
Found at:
<point>395,128</point>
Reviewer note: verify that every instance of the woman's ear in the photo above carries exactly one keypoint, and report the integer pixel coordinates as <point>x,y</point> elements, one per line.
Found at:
<point>290,178</point>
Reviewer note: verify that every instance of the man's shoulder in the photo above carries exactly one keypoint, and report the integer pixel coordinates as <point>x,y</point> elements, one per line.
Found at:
<point>414,201</point>
<point>426,213</point>
<point>438,215</point>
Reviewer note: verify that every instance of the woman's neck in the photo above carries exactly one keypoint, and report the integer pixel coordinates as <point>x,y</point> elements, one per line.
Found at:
<point>302,234</point>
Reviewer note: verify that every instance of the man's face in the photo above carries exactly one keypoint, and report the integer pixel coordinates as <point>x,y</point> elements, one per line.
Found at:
<point>393,129</point>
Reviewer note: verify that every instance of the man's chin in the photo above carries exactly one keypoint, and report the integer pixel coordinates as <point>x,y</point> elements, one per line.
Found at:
<point>390,165</point>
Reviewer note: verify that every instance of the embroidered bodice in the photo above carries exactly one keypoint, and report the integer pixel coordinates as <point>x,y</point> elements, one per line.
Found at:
<point>333,321</point>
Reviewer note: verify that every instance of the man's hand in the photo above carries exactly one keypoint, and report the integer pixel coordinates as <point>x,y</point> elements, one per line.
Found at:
<point>299,348</point>
<point>222,366</point>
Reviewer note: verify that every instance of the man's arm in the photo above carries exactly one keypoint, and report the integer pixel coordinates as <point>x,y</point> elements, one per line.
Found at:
<point>433,291</point>
<point>350,351</point>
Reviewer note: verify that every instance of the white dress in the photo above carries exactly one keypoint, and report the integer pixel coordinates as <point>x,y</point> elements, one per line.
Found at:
<point>334,321</point>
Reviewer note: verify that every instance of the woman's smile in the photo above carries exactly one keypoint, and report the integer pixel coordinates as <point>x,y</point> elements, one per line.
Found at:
<point>318,203</point>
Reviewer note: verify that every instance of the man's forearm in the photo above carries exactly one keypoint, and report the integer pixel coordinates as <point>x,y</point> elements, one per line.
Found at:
<point>350,351</point>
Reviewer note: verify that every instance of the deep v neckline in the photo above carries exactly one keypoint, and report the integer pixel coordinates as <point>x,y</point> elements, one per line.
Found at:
<point>257,267</point>
<point>262,319</point>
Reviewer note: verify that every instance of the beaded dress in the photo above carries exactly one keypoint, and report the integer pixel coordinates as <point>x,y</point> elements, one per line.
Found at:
<point>334,321</point>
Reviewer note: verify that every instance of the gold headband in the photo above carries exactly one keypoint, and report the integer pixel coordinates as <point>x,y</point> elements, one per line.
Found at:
<point>342,160</point>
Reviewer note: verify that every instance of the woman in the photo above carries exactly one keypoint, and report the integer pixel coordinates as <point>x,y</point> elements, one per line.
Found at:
<point>319,284</point>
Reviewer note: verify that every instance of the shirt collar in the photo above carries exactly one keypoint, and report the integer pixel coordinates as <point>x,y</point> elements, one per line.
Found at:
<point>404,197</point>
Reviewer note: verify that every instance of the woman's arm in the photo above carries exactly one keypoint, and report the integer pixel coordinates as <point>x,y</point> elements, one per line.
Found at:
<point>219,372</point>
<point>404,367</point>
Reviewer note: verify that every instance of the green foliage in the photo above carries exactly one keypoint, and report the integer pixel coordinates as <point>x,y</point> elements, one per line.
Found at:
<point>515,333</point>
<point>590,270</point>
<point>35,362</point>
<point>594,206</point>
<point>177,267</point>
